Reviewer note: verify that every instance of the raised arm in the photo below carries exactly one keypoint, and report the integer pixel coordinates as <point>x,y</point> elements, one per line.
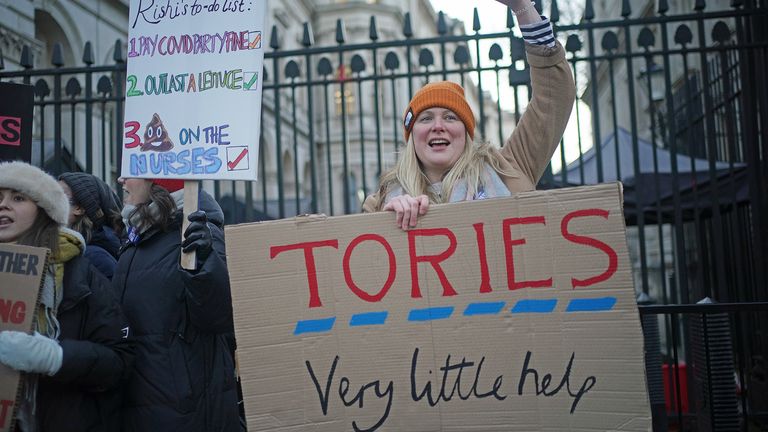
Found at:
<point>537,135</point>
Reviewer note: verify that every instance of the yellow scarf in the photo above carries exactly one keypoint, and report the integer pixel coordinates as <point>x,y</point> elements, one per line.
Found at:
<point>70,246</point>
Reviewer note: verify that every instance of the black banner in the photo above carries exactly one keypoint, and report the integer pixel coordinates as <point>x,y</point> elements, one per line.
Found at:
<point>16,105</point>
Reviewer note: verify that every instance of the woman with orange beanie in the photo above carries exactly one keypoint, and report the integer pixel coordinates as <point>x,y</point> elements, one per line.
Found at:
<point>441,163</point>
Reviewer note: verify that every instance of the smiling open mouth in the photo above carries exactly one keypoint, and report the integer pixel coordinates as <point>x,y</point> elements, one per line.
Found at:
<point>438,142</point>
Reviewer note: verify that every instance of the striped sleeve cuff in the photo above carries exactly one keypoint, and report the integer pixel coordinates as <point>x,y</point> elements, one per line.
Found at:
<point>539,33</point>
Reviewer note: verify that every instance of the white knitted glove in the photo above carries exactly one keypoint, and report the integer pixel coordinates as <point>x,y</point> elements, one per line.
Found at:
<point>35,353</point>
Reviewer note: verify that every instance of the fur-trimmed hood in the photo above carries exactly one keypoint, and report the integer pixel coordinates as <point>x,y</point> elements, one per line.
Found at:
<point>35,183</point>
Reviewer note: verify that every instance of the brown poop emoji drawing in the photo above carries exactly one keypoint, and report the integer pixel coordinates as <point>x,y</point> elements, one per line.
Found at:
<point>156,136</point>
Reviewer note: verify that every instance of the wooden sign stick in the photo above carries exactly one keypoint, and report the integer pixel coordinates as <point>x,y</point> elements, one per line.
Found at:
<point>191,189</point>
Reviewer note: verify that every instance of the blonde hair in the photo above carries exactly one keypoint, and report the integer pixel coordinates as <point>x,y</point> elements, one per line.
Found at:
<point>84,225</point>
<point>408,173</point>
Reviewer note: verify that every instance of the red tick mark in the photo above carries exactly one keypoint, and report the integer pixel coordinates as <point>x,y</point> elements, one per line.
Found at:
<point>231,165</point>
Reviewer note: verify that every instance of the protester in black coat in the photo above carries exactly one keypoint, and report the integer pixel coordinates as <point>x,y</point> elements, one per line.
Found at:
<point>84,395</point>
<point>79,351</point>
<point>94,213</point>
<point>184,377</point>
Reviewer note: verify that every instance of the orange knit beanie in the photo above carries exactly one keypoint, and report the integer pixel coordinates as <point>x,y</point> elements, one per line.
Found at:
<point>443,94</point>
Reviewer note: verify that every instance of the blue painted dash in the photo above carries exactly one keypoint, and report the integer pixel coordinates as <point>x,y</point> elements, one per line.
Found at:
<point>487,308</point>
<point>368,318</point>
<point>314,326</point>
<point>534,306</point>
<point>429,314</point>
<point>591,304</point>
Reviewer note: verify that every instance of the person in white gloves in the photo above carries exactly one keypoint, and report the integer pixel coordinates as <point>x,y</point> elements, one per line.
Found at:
<point>79,351</point>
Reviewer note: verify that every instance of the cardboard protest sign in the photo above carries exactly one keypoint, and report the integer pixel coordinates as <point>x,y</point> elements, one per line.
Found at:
<point>16,107</point>
<point>514,314</point>
<point>193,93</point>
<point>21,274</point>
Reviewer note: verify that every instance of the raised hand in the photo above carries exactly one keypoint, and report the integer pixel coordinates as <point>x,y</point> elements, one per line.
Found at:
<point>524,10</point>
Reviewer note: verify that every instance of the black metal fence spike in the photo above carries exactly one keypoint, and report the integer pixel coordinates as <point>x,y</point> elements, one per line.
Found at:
<point>461,55</point>
<point>475,21</point>
<point>626,9</point>
<point>495,53</point>
<point>73,87</point>
<point>2,61</point>
<point>426,58</point>
<point>554,12</point>
<point>373,34</point>
<point>510,19</point>
<point>117,53</point>
<point>610,41</point>
<point>700,5</point>
<point>27,60</point>
<point>104,85</point>
<point>646,38</point>
<point>721,33</point>
<point>663,7</point>
<point>407,29</point>
<point>442,27</point>
<point>292,70</point>
<point>274,43</point>
<point>324,67</point>
<point>391,61</point>
<point>573,43</point>
<point>307,37</point>
<point>737,3</point>
<point>683,35</point>
<point>341,34</point>
<point>41,89</point>
<point>88,54</point>
<point>357,63</point>
<point>589,11</point>
<point>57,58</point>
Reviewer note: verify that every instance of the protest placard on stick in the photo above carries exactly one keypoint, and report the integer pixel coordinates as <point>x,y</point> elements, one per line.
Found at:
<point>193,94</point>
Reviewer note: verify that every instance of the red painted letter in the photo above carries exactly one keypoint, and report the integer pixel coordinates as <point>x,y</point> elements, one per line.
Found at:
<point>509,244</point>
<point>348,274</point>
<point>589,241</point>
<point>432,259</point>
<point>18,312</point>
<point>12,311</point>
<point>309,261</point>
<point>485,277</point>
<point>5,410</point>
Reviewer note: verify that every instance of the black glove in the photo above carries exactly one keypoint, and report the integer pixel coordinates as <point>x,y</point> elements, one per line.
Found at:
<point>198,236</point>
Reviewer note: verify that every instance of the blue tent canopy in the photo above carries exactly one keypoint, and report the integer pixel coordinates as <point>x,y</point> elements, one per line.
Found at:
<point>609,151</point>
<point>653,188</point>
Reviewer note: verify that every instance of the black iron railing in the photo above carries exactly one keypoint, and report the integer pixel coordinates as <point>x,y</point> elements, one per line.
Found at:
<point>705,365</point>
